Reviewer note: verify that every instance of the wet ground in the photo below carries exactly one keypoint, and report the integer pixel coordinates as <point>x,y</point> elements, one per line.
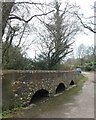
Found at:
<point>78,105</point>
<point>83,105</point>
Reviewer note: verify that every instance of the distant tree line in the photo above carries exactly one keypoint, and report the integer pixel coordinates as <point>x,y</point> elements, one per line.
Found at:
<point>85,58</point>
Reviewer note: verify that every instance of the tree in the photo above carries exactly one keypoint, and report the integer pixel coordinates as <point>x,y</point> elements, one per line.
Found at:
<point>85,57</point>
<point>15,59</point>
<point>41,63</point>
<point>62,28</point>
<point>81,53</point>
<point>6,9</point>
<point>12,58</point>
<point>85,25</point>
<point>90,23</point>
<point>16,21</point>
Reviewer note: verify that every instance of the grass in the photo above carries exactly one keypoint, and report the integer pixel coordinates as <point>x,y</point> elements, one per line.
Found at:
<point>78,87</point>
<point>8,113</point>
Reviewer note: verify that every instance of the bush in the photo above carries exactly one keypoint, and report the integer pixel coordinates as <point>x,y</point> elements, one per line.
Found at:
<point>90,66</point>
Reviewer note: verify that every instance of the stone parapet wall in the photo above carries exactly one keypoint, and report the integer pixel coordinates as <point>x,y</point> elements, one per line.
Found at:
<point>19,86</point>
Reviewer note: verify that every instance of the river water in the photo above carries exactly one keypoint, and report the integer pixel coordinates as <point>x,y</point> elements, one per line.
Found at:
<point>73,103</point>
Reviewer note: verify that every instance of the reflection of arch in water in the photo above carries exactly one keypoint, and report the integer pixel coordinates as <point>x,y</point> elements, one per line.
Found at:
<point>39,95</point>
<point>72,82</point>
<point>60,88</point>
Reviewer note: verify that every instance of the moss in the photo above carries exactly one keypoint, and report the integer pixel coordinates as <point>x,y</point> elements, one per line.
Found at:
<point>8,113</point>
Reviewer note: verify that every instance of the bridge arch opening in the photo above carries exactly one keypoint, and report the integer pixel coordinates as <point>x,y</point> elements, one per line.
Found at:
<point>60,88</point>
<point>39,95</point>
<point>72,82</point>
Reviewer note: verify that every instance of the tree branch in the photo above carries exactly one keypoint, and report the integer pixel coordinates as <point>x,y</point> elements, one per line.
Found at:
<point>84,25</point>
<point>28,3</point>
<point>16,17</point>
<point>22,35</point>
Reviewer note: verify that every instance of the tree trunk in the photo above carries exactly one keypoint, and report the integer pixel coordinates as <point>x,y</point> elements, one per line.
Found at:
<point>6,9</point>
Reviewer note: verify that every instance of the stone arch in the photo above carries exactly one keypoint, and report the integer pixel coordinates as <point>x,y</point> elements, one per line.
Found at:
<point>60,88</point>
<point>72,82</point>
<point>38,95</point>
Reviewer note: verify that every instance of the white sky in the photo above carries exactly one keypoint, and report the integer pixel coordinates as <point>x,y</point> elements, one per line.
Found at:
<point>87,40</point>
<point>86,10</point>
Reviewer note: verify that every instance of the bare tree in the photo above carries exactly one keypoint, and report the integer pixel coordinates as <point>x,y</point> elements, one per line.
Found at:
<point>16,21</point>
<point>89,22</point>
<point>81,51</point>
<point>63,26</point>
<point>85,54</point>
<point>85,24</point>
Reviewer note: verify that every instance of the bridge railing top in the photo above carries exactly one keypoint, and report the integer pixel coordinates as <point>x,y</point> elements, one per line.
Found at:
<point>36,71</point>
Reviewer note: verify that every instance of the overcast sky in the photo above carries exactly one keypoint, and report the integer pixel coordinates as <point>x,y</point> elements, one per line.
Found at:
<point>86,9</point>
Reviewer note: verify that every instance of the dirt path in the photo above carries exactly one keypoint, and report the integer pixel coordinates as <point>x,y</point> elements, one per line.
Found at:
<point>84,102</point>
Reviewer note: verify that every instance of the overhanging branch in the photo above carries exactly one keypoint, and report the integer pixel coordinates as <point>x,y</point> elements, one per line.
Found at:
<point>29,3</point>
<point>21,19</point>
<point>84,25</point>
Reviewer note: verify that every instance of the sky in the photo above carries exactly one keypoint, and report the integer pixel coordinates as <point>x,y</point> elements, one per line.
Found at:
<point>87,40</point>
<point>87,11</point>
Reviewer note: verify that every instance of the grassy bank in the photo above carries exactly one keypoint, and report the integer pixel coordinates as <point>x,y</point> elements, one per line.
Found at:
<point>75,90</point>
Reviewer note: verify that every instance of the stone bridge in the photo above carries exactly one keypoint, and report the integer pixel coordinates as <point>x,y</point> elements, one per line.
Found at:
<point>22,87</point>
